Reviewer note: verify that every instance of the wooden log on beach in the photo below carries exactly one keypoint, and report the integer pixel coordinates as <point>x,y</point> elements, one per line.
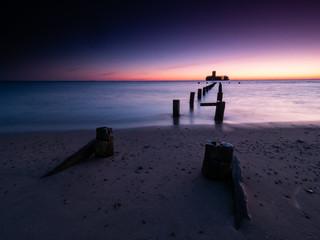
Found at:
<point>176,108</point>
<point>104,142</point>
<point>199,94</point>
<point>81,155</point>
<point>217,162</point>
<point>220,106</point>
<point>238,194</point>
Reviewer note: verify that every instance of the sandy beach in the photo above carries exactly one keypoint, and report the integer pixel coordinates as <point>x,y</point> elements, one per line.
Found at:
<point>152,188</point>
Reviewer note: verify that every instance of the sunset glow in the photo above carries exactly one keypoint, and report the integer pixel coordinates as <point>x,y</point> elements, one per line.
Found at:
<point>252,40</point>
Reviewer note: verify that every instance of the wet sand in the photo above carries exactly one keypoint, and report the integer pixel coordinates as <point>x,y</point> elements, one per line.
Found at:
<point>152,188</point>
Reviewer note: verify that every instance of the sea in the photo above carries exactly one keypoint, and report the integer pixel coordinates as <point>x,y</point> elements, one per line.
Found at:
<point>55,106</point>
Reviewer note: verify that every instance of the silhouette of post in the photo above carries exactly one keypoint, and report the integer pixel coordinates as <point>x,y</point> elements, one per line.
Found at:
<point>219,111</point>
<point>191,101</point>
<point>217,162</point>
<point>220,93</point>
<point>104,142</point>
<point>199,94</point>
<point>176,108</point>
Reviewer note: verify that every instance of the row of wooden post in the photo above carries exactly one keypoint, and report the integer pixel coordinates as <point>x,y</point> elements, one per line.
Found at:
<point>176,102</point>
<point>201,92</point>
<point>220,105</point>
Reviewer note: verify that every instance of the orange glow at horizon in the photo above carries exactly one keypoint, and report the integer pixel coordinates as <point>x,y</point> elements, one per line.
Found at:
<point>272,65</point>
<point>262,66</point>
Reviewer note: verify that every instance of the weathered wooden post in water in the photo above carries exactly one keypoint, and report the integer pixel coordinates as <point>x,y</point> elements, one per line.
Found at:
<point>220,93</point>
<point>191,101</point>
<point>220,106</point>
<point>204,91</point>
<point>199,94</point>
<point>104,142</point>
<point>176,108</point>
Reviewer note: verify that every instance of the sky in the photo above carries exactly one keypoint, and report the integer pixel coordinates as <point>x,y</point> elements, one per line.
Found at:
<point>159,40</point>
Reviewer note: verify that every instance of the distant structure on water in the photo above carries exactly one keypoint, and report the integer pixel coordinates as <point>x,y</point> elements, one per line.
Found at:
<point>214,77</point>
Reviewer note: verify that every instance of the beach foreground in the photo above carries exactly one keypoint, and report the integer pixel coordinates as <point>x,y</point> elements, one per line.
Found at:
<point>152,188</point>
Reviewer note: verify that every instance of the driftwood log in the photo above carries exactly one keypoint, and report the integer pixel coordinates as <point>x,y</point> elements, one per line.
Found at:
<point>238,193</point>
<point>79,156</point>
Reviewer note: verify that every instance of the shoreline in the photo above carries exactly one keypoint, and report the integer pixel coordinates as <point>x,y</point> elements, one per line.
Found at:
<point>152,188</point>
<point>225,124</point>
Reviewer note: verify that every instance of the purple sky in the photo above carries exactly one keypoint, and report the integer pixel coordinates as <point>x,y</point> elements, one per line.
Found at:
<point>160,40</point>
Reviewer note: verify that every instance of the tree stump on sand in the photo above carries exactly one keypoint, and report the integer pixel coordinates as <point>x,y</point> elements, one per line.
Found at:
<point>238,193</point>
<point>104,142</point>
<point>217,162</point>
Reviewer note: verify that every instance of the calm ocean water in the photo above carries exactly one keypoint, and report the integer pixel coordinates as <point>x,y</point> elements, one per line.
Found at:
<point>37,106</point>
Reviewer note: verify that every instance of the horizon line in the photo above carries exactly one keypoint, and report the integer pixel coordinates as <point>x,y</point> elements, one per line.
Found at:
<point>163,80</point>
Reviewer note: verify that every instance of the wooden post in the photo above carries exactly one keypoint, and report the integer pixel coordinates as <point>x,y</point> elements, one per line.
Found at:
<point>238,193</point>
<point>220,93</point>
<point>199,93</point>
<point>191,101</point>
<point>104,142</point>
<point>217,162</point>
<point>176,108</point>
<point>219,111</point>
<point>204,91</point>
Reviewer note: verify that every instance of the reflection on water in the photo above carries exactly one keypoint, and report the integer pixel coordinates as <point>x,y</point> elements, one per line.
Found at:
<point>176,120</point>
<point>78,105</point>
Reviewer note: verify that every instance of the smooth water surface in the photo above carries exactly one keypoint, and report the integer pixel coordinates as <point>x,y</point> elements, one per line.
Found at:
<point>38,106</point>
